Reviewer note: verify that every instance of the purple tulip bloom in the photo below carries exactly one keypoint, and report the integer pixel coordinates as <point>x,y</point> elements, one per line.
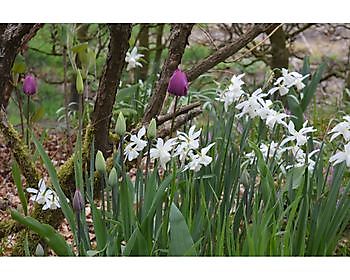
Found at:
<point>178,84</point>
<point>29,85</point>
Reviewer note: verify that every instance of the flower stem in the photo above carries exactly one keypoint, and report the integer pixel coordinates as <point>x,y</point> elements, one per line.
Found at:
<point>19,97</point>
<point>173,119</point>
<point>28,121</point>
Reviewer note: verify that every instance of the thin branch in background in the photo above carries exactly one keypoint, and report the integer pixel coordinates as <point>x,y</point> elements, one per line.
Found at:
<point>257,45</point>
<point>45,52</point>
<point>208,35</point>
<point>225,52</point>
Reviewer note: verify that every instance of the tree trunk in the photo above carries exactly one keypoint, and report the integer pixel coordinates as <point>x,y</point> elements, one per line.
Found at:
<point>158,50</point>
<point>12,38</point>
<point>144,49</point>
<point>279,51</point>
<point>178,40</point>
<point>101,117</point>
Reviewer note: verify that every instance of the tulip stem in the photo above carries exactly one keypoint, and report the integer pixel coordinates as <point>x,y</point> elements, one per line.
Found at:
<point>174,115</point>
<point>28,121</point>
<point>20,108</point>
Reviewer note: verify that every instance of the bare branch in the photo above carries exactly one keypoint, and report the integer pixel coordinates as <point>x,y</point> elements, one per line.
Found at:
<point>162,119</point>
<point>179,121</point>
<point>227,51</point>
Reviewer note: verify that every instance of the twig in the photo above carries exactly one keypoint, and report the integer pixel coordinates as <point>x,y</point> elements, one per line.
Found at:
<point>257,45</point>
<point>179,121</point>
<point>227,51</point>
<point>183,110</point>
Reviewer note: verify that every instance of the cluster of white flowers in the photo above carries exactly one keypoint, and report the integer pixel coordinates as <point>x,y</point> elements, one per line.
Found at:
<point>132,58</point>
<point>298,140</point>
<point>257,104</point>
<point>268,151</point>
<point>342,129</point>
<point>300,158</point>
<point>136,145</point>
<point>44,196</point>
<point>233,93</point>
<point>184,146</point>
<point>288,80</point>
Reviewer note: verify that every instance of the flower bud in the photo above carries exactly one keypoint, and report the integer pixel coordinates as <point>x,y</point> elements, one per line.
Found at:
<point>39,251</point>
<point>120,127</point>
<point>245,178</point>
<point>78,202</point>
<point>178,84</point>
<point>79,84</point>
<point>152,129</point>
<point>29,85</point>
<point>100,163</point>
<point>113,178</point>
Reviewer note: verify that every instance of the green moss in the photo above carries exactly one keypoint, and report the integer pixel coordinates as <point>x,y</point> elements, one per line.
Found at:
<point>19,151</point>
<point>65,175</point>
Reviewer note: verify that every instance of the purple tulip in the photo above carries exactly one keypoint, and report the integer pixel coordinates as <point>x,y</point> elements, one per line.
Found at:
<point>29,85</point>
<point>178,84</point>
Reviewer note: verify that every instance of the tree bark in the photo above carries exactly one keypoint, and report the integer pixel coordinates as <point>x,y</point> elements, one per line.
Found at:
<point>178,40</point>
<point>225,52</point>
<point>101,117</point>
<point>144,49</point>
<point>158,50</point>
<point>279,51</point>
<point>12,38</point>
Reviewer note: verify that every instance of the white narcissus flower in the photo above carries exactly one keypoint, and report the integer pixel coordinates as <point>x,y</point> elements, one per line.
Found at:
<point>136,145</point>
<point>275,117</point>
<point>188,142</point>
<point>162,151</point>
<point>197,160</point>
<point>272,149</point>
<point>300,158</point>
<point>39,195</point>
<point>342,128</point>
<point>294,79</point>
<point>280,86</point>
<point>132,58</point>
<point>265,110</point>
<point>342,156</point>
<point>233,93</point>
<point>252,105</point>
<point>236,82</point>
<point>130,152</point>
<point>287,77</point>
<point>288,80</point>
<point>298,136</point>
<point>44,196</point>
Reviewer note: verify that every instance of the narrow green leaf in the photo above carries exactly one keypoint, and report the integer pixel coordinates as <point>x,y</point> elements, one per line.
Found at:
<point>53,239</point>
<point>66,209</point>
<point>99,225</point>
<point>16,174</point>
